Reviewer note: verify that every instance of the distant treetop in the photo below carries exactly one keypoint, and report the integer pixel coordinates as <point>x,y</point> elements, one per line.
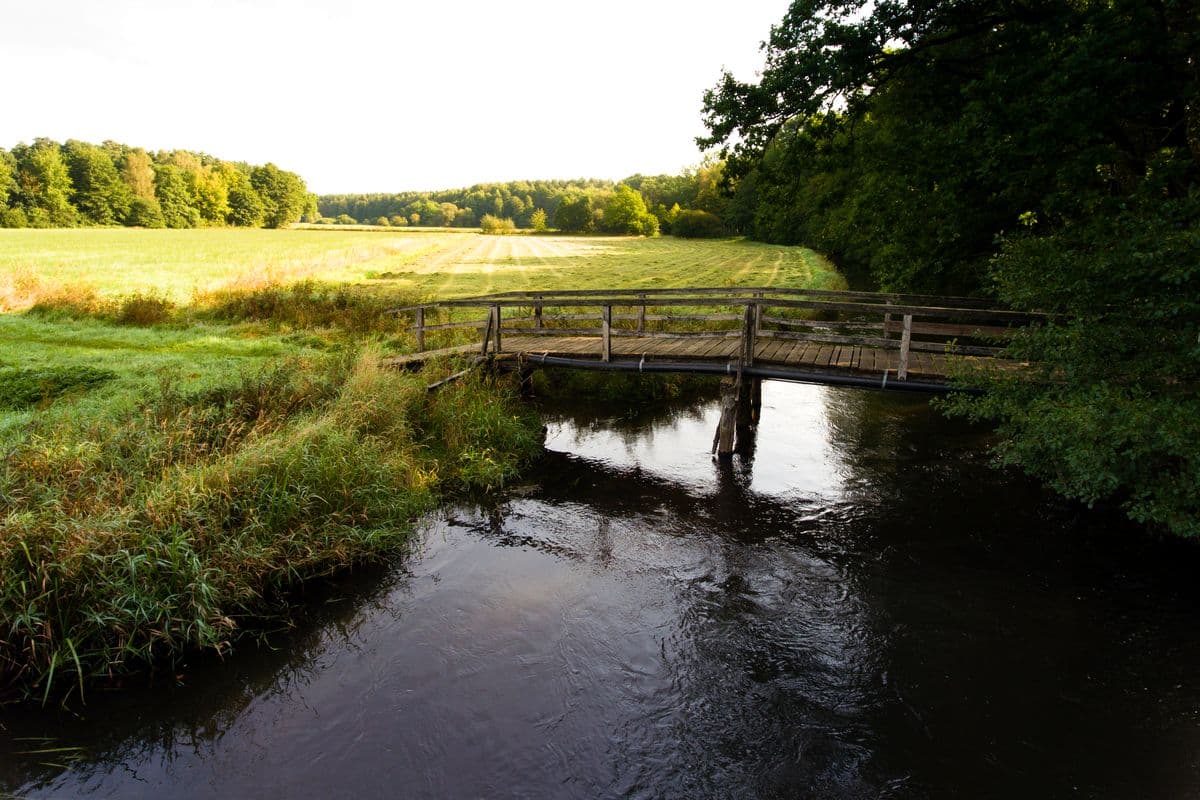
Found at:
<point>47,184</point>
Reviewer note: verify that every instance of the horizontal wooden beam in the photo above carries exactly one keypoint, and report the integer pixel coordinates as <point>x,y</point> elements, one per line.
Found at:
<point>758,291</point>
<point>824,305</point>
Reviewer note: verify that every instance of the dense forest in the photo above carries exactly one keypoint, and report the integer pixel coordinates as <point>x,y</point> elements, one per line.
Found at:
<point>1045,153</point>
<point>638,204</point>
<point>47,184</point>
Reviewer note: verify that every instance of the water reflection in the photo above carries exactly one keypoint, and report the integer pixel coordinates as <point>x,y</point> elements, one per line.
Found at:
<point>859,608</point>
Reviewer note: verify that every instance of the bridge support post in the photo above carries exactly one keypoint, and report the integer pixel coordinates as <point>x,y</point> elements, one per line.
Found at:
<point>735,430</point>
<point>606,334</point>
<point>726,428</point>
<point>496,327</point>
<point>420,328</point>
<point>755,400</point>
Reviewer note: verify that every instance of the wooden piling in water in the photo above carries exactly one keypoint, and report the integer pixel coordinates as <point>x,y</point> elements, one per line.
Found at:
<point>725,437</point>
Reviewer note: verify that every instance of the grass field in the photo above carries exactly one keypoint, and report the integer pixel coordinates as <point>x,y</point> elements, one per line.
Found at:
<point>178,264</point>
<point>194,422</point>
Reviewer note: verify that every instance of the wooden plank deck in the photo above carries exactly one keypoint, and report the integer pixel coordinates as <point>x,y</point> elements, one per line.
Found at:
<point>775,352</point>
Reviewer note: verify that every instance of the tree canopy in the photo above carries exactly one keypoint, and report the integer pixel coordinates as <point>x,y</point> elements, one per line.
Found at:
<point>76,183</point>
<point>1046,153</point>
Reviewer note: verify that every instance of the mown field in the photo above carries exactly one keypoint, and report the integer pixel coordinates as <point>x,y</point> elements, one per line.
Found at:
<point>192,423</point>
<point>178,264</point>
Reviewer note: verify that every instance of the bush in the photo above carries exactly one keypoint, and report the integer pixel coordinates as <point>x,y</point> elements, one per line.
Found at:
<point>694,224</point>
<point>13,218</point>
<point>307,304</point>
<point>496,226</point>
<point>346,219</point>
<point>383,222</point>
<point>145,213</point>
<point>143,309</point>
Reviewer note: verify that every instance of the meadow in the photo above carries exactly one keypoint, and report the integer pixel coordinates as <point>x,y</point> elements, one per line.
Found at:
<point>177,264</point>
<point>194,423</point>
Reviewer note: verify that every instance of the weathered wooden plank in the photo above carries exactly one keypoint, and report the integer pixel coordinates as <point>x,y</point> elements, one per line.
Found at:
<point>445,326</point>
<point>830,324</point>
<point>952,329</point>
<point>416,359</point>
<point>830,338</point>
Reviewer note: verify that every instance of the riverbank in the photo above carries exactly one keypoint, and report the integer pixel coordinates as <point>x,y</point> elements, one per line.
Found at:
<point>145,527</point>
<point>193,424</point>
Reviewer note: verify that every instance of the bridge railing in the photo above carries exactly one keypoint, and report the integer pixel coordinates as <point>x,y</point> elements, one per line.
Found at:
<point>892,321</point>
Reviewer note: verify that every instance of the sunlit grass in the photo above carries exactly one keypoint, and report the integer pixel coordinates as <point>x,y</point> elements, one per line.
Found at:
<point>178,264</point>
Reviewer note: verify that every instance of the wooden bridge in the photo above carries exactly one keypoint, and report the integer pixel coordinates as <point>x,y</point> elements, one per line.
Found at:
<point>873,340</point>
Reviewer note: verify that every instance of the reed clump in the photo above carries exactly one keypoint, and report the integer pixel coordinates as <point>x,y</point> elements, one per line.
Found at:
<point>133,535</point>
<point>305,304</point>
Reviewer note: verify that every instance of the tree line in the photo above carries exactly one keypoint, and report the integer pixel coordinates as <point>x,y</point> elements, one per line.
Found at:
<point>690,203</point>
<point>1044,153</point>
<point>47,184</point>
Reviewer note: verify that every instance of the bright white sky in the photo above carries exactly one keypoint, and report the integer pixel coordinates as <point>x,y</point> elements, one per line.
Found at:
<point>370,95</point>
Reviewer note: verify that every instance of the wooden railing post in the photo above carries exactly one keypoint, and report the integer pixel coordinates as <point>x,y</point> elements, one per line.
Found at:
<point>487,330</point>
<point>606,334</point>
<point>420,326</point>
<point>641,328</point>
<point>758,313</point>
<point>905,340</point>
<point>749,326</point>
<point>496,329</point>
<point>537,313</point>
<point>887,318</point>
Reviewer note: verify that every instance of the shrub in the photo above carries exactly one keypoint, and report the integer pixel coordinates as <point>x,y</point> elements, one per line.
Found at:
<point>145,213</point>
<point>537,220</point>
<point>694,224</point>
<point>13,218</point>
<point>307,304</point>
<point>143,309</point>
<point>494,225</point>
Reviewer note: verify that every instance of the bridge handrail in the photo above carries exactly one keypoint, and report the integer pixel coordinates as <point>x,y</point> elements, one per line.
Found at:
<point>626,301</point>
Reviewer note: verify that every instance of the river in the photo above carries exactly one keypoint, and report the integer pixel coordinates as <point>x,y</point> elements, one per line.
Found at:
<point>862,607</point>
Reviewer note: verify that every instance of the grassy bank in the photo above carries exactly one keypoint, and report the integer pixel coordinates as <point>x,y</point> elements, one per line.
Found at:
<point>141,529</point>
<point>192,423</point>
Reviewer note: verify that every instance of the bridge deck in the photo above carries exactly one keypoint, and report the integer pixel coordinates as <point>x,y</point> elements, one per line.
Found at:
<point>776,352</point>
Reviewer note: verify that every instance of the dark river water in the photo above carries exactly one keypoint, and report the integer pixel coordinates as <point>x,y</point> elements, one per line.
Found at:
<point>862,608</point>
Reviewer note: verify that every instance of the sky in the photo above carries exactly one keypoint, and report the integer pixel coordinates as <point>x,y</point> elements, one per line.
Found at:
<point>375,96</point>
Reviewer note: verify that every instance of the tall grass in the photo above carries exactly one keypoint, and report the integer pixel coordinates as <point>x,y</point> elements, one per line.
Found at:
<point>131,538</point>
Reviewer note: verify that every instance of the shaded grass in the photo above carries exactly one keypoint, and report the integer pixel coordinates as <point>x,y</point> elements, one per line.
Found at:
<point>21,388</point>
